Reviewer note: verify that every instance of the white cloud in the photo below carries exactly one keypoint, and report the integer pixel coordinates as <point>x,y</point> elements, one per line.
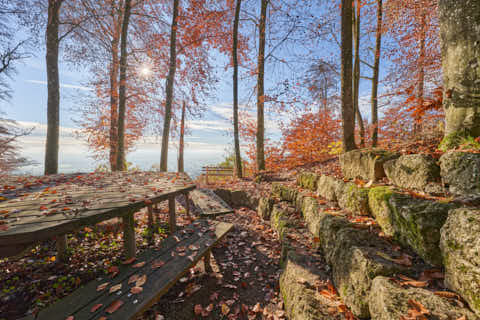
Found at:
<point>62,85</point>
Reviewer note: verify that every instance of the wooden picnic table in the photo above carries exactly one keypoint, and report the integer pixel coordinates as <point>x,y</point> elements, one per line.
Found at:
<point>39,208</point>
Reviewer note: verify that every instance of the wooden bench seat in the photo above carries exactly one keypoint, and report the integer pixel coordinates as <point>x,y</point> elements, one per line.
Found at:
<point>209,204</point>
<point>163,267</point>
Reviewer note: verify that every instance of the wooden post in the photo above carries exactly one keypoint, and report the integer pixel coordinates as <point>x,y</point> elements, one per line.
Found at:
<point>129,236</point>
<point>171,214</point>
<point>62,246</point>
<point>206,262</point>
<point>206,175</point>
<point>187,203</point>
<point>150,224</point>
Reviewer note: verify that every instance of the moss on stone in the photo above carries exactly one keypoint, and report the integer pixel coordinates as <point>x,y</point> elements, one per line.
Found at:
<point>456,139</point>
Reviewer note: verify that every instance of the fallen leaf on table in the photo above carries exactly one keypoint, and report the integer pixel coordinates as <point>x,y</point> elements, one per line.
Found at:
<point>114,306</point>
<point>157,264</point>
<point>133,278</point>
<point>136,290</point>
<point>96,307</point>
<point>103,286</point>
<point>141,281</point>
<point>115,288</point>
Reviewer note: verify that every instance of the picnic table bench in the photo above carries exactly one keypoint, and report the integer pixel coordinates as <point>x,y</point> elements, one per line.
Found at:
<point>52,206</point>
<point>137,286</point>
<point>209,204</point>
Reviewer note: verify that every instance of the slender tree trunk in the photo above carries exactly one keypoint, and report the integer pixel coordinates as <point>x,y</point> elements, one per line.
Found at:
<point>356,72</point>
<point>53,87</point>
<point>169,88</point>
<point>238,159</point>
<point>114,67</point>
<point>421,74</point>
<point>122,96</point>
<point>348,112</point>
<point>260,88</point>
<point>376,72</point>
<point>117,17</point>
<point>181,145</point>
<point>460,40</point>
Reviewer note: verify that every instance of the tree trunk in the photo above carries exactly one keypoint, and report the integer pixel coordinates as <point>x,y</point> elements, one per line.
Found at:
<point>376,72</point>
<point>461,69</point>
<point>114,70</point>
<point>421,75</point>
<point>356,72</point>
<point>181,145</point>
<point>169,88</point>
<point>260,88</point>
<point>348,112</point>
<point>53,87</point>
<point>238,159</point>
<point>122,96</point>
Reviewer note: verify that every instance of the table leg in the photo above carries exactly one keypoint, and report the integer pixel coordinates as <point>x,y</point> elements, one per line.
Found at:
<point>206,262</point>
<point>129,236</point>
<point>171,214</point>
<point>62,246</point>
<point>150,224</point>
<point>187,203</point>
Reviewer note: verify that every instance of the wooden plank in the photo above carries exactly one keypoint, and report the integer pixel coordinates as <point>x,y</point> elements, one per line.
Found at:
<point>88,293</point>
<point>209,203</point>
<point>172,220</point>
<point>129,244</point>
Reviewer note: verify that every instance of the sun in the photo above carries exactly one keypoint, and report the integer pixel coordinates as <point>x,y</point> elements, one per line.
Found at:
<point>145,71</point>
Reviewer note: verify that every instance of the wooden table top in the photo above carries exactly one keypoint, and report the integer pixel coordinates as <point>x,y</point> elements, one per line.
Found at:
<point>38,208</point>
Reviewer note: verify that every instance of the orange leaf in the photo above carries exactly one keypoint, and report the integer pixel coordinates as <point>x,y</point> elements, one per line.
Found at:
<point>114,306</point>
<point>128,261</point>
<point>103,286</point>
<point>136,290</point>
<point>96,307</point>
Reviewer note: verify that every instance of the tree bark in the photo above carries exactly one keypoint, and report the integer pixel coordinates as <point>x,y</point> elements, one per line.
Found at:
<point>348,112</point>
<point>53,87</point>
<point>376,72</point>
<point>114,70</point>
<point>260,88</point>
<point>169,88</point>
<point>421,73</point>
<point>238,159</point>
<point>356,72</point>
<point>181,145</point>
<point>122,96</point>
<point>461,69</point>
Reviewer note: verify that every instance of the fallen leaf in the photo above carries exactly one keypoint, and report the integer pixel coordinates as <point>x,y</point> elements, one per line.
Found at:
<point>139,265</point>
<point>136,290</point>
<point>257,308</point>
<point>198,309</point>
<point>114,306</point>
<point>446,294</point>
<point>418,306</point>
<point>96,307</point>
<point>69,317</point>
<point>103,286</point>
<point>225,309</point>
<point>128,261</point>
<point>157,264</point>
<point>141,281</point>
<point>115,288</point>
<point>133,278</point>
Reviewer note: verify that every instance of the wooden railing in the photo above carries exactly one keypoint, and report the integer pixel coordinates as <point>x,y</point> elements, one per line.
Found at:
<point>217,172</point>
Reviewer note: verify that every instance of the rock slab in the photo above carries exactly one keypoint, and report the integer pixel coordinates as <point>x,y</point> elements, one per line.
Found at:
<point>461,172</point>
<point>365,164</point>
<point>388,300</point>
<point>460,245</point>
